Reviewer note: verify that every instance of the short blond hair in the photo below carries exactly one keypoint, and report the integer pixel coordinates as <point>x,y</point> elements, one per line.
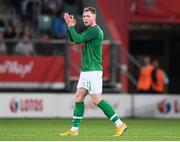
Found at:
<point>91,9</point>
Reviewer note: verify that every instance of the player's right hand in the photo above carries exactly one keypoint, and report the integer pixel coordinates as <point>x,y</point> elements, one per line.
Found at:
<point>69,19</point>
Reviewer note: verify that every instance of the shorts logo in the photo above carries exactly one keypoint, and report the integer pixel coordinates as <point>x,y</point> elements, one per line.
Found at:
<point>89,85</point>
<point>164,106</point>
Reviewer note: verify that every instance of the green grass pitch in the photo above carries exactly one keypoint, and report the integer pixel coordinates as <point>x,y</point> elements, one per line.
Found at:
<point>91,130</point>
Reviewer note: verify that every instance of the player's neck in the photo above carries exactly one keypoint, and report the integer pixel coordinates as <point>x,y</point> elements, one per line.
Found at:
<point>94,24</point>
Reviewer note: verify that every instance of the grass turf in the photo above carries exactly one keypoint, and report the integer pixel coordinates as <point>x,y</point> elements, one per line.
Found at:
<point>91,130</point>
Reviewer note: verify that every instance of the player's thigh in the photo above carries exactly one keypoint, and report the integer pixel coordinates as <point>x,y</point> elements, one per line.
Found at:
<point>95,83</point>
<point>80,94</point>
<point>82,83</point>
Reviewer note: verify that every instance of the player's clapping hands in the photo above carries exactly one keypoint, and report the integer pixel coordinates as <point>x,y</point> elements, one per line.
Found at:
<point>69,19</point>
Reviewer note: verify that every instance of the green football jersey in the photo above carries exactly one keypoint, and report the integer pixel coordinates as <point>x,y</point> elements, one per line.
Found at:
<point>92,39</point>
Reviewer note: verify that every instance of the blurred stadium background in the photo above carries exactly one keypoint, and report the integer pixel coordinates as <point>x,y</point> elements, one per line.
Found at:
<point>39,67</point>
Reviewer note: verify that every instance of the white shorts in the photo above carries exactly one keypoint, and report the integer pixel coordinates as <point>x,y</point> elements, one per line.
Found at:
<point>91,81</point>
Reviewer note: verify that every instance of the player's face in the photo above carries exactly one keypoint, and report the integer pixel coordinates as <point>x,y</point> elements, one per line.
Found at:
<point>88,18</point>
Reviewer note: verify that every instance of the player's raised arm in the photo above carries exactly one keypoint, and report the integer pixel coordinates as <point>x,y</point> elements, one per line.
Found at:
<point>88,35</point>
<point>89,20</point>
<point>70,21</point>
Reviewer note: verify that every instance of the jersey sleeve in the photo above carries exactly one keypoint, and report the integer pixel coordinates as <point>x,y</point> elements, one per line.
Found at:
<point>85,36</point>
<point>70,37</point>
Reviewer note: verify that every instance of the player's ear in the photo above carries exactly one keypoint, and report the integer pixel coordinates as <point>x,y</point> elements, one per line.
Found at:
<point>94,16</point>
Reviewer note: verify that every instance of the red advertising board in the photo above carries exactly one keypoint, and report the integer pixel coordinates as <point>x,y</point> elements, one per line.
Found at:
<point>44,72</point>
<point>31,71</point>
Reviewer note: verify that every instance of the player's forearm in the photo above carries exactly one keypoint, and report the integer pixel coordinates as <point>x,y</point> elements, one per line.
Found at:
<point>75,36</point>
<point>70,37</point>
